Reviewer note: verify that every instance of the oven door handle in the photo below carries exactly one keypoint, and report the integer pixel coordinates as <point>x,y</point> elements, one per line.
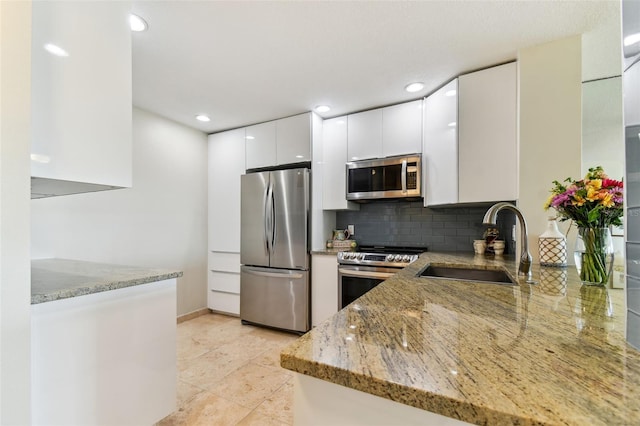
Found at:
<point>364,274</point>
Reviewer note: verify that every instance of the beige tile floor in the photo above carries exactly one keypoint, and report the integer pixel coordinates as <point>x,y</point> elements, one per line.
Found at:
<point>230,374</point>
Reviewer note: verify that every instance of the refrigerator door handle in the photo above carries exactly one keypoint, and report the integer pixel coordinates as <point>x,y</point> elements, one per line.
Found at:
<point>263,273</point>
<point>273,219</point>
<point>268,219</point>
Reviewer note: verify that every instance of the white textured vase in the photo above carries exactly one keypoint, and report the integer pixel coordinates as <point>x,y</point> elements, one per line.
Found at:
<point>552,246</point>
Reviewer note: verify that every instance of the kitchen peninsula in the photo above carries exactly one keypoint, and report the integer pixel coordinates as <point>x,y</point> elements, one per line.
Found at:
<point>418,350</point>
<point>103,343</point>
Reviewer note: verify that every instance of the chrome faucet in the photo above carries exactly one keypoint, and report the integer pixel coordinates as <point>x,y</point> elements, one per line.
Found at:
<point>490,218</point>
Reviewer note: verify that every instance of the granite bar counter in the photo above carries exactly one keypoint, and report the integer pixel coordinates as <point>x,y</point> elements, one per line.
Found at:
<point>55,279</point>
<point>553,352</point>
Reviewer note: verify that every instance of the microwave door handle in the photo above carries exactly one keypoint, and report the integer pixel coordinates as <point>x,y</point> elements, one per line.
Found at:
<point>404,176</point>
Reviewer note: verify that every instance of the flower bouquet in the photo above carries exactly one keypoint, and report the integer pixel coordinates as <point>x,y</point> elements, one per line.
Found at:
<point>594,203</point>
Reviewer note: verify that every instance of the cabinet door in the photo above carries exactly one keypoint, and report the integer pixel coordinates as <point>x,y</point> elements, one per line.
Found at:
<point>226,165</point>
<point>365,135</point>
<point>402,129</point>
<point>334,157</point>
<point>261,145</point>
<point>293,139</point>
<point>487,139</point>
<point>81,103</point>
<point>324,287</point>
<point>440,153</point>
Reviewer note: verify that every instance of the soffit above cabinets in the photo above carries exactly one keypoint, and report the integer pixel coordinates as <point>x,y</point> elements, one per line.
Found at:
<point>248,62</point>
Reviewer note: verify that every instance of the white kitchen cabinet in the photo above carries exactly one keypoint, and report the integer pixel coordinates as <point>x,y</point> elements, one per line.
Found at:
<point>334,158</point>
<point>385,132</point>
<point>440,151</point>
<point>293,139</point>
<point>226,165</point>
<point>81,102</point>
<point>631,84</point>
<point>487,135</point>
<point>261,145</point>
<point>402,129</point>
<point>107,358</point>
<point>365,135</point>
<point>324,287</point>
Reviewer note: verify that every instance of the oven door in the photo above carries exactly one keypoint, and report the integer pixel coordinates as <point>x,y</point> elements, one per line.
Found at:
<point>354,281</point>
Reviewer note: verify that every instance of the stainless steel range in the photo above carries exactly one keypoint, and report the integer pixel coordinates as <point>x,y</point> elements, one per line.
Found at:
<point>359,272</point>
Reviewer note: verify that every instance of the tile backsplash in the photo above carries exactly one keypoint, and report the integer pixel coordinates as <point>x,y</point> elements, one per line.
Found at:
<point>405,223</point>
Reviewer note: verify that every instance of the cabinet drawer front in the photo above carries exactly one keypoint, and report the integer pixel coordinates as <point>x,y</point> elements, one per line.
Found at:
<point>224,261</point>
<point>224,302</point>
<point>228,282</point>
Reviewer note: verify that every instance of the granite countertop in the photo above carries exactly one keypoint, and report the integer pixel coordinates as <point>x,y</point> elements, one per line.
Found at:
<point>54,279</point>
<point>548,353</point>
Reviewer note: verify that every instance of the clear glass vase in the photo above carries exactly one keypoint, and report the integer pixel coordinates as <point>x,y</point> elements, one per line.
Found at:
<point>594,255</point>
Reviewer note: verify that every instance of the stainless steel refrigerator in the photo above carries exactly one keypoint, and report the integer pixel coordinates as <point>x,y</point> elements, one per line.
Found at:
<point>274,249</point>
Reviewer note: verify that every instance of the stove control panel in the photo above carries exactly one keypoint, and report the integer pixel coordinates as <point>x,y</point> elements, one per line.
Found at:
<point>376,259</point>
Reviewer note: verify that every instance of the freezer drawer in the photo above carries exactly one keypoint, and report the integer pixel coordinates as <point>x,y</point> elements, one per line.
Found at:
<point>275,297</point>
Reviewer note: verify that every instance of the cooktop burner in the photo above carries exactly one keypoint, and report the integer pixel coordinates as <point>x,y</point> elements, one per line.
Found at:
<point>398,257</point>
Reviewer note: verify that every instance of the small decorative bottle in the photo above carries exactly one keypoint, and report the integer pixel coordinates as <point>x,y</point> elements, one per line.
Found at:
<point>552,245</point>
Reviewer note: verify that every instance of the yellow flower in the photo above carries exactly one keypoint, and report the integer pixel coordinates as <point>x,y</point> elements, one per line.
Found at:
<point>578,200</point>
<point>607,200</point>
<point>547,203</point>
<point>593,194</point>
<point>595,183</point>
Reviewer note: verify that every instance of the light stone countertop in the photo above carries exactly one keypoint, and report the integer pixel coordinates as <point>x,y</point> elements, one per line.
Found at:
<point>549,353</point>
<point>54,279</point>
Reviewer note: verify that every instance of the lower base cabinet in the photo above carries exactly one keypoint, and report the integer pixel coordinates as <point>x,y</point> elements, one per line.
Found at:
<point>318,402</point>
<point>106,358</point>
<point>224,282</point>
<point>324,287</point>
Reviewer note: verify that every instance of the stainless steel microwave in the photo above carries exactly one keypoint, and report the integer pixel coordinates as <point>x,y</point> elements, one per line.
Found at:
<point>391,177</point>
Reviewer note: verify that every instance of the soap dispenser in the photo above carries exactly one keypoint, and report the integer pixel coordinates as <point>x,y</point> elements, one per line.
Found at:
<point>552,245</point>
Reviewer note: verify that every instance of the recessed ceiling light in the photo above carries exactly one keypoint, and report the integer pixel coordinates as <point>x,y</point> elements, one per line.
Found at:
<point>452,124</point>
<point>414,87</point>
<point>323,108</point>
<point>55,50</point>
<point>299,156</point>
<point>136,23</point>
<point>631,39</point>
<point>450,93</point>
<point>203,118</point>
<point>249,137</point>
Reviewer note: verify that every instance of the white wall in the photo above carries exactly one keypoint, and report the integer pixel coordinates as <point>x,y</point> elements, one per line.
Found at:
<point>160,222</point>
<point>15,275</point>
<point>550,127</point>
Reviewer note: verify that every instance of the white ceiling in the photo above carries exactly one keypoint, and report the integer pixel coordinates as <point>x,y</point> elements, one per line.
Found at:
<point>248,62</point>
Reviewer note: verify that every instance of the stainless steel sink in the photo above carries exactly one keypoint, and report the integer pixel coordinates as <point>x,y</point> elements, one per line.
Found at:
<point>468,273</point>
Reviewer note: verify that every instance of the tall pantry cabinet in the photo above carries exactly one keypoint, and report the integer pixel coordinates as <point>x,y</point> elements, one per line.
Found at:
<point>226,165</point>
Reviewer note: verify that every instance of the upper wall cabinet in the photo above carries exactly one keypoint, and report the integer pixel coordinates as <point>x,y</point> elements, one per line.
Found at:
<point>334,157</point>
<point>261,145</point>
<point>384,132</point>
<point>440,153</point>
<point>293,139</point>
<point>402,129</point>
<point>487,135</point>
<point>80,97</point>
<point>279,142</point>
<point>365,135</point>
